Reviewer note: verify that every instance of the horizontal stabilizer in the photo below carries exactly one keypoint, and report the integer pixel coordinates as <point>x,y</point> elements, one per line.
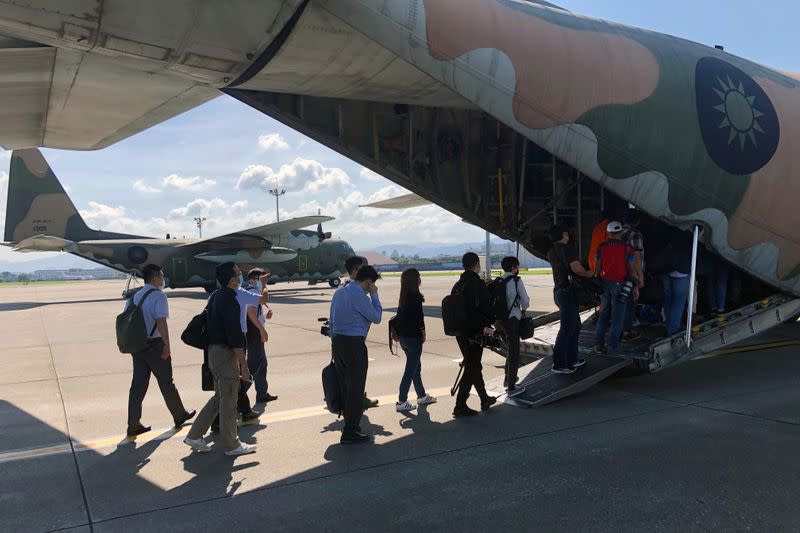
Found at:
<point>45,243</point>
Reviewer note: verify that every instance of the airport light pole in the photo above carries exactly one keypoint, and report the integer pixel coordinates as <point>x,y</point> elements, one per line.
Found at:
<point>199,221</point>
<point>277,193</point>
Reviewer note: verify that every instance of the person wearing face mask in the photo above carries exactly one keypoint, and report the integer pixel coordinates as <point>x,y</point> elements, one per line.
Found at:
<point>353,309</point>
<point>228,364</point>
<point>156,359</point>
<point>351,265</point>
<point>257,335</point>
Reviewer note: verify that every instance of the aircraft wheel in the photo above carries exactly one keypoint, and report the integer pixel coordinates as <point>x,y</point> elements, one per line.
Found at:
<point>335,282</point>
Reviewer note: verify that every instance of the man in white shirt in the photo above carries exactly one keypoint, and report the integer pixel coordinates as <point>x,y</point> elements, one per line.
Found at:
<point>517,301</point>
<point>155,359</point>
<point>257,335</point>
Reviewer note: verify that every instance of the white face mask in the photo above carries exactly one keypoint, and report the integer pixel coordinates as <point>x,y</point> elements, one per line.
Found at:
<point>163,284</point>
<point>241,280</point>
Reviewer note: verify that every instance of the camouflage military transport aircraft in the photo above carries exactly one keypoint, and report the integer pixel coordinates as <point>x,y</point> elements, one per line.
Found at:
<point>41,217</point>
<point>509,113</point>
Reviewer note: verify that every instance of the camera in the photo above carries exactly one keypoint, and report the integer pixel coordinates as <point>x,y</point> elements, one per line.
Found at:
<point>325,329</point>
<point>493,341</point>
<point>625,292</point>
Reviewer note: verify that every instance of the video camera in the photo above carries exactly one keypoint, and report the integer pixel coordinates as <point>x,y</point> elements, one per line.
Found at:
<point>491,339</point>
<point>325,329</point>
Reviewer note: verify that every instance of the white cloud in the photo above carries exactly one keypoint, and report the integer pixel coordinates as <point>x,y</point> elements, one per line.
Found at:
<point>3,178</point>
<point>141,186</point>
<point>369,175</point>
<point>369,227</point>
<point>273,141</point>
<point>195,184</point>
<point>305,175</point>
<point>5,154</point>
<point>175,182</point>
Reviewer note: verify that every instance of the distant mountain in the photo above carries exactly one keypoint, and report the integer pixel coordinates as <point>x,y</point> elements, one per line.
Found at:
<point>62,261</point>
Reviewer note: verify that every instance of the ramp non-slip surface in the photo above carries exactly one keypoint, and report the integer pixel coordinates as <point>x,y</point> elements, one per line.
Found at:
<point>541,386</point>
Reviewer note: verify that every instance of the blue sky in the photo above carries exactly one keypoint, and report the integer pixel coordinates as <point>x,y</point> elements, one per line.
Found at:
<point>205,161</point>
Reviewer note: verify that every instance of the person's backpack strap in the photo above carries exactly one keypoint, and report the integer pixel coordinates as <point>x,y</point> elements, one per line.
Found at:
<point>516,300</point>
<point>139,305</point>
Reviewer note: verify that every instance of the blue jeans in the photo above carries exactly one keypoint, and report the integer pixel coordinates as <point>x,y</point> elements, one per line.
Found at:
<point>565,351</point>
<point>612,314</point>
<point>676,291</point>
<point>718,286</point>
<point>412,346</point>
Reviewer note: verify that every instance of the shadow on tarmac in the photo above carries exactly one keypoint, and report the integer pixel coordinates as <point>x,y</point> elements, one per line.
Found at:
<point>24,306</point>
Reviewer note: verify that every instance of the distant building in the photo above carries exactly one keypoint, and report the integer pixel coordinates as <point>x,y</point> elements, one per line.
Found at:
<point>74,274</point>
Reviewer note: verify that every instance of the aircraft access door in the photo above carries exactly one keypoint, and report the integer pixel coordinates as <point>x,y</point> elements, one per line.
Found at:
<point>302,263</point>
<point>179,269</point>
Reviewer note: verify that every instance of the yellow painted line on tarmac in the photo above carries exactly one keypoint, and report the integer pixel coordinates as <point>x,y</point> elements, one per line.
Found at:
<point>164,434</point>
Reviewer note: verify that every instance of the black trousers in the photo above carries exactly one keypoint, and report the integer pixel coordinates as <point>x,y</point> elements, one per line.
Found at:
<point>149,362</point>
<point>350,358</point>
<point>511,328</point>
<point>473,371</point>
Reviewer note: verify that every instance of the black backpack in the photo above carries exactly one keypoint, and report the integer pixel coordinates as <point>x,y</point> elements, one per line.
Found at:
<point>499,298</point>
<point>454,312</point>
<point>196,332</point>
<point>331,389</point>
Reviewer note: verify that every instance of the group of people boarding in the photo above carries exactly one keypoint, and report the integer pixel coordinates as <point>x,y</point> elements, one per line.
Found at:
<point>617,260</point>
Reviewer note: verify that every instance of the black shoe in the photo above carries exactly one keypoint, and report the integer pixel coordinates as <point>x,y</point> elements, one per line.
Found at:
<point>266,399</point>
<point>464,411</point>
<point>138,430</point>
<point>368,404</point>
<point>488,402</point>
<point>355,438</point>
<point>250,415</point>
<point>188,415</point>
<point>579,363</point>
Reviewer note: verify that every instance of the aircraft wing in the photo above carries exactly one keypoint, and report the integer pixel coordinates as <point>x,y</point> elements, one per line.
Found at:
<point>405,201</point>
<point>255,237</point>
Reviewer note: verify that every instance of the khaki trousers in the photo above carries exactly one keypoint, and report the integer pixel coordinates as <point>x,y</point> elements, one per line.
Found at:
<point>225,369</point>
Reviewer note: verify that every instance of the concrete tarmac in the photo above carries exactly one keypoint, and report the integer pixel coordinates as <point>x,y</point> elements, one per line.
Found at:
<point>709,445</point>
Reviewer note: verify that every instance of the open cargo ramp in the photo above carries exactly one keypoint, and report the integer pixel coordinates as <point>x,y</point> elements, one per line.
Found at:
<point>651,353</point>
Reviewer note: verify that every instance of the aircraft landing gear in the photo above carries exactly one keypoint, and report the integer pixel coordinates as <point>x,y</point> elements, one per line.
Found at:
<point>335,282</point>
<point>132,286</point>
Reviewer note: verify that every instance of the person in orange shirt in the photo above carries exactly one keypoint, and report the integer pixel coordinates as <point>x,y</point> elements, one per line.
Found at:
<point>599,236</point>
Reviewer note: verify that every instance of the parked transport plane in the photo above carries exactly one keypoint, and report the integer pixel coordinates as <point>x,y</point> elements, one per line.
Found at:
<point>41,217</point>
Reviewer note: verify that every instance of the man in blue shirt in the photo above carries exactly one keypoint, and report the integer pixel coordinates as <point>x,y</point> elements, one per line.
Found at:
<point>353,309</point>
<point>156,358</point>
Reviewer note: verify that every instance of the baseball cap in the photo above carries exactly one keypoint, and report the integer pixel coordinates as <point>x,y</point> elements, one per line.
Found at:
<point>614,227</point>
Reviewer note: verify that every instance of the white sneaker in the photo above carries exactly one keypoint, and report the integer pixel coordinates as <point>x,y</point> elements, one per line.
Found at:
<point>426,400</point>
<point>198,445</point>
<point>405,406</point>
<point>243,449</point>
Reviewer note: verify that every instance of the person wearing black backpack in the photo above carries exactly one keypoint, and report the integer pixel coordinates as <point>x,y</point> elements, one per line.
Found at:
<point>156,358</point>
<point>478,312</point>
<point>510,301</point>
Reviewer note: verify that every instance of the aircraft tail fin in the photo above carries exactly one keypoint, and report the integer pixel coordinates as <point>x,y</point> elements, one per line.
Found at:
<point>38,205</point>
